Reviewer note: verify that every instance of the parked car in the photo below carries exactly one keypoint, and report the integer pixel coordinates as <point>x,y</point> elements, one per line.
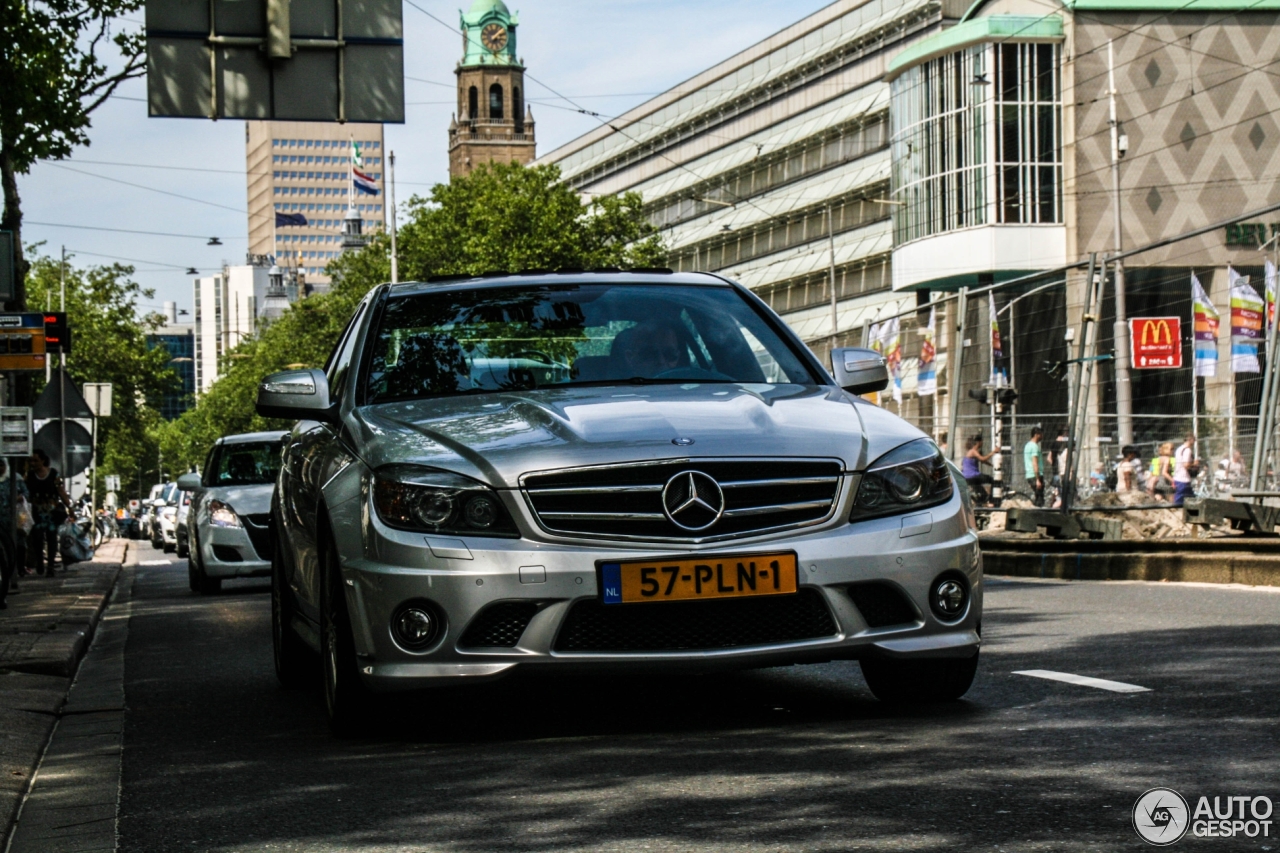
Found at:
<point>606,471</point>
<point>146,521</point>
<point>227,529</point>
<point>164,520</point>
<point>184,512</point>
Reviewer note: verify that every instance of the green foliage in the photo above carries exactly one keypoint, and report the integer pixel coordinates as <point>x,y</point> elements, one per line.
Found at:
<point>109,345</point>
<point>52,76</point>
<point>504,217</point>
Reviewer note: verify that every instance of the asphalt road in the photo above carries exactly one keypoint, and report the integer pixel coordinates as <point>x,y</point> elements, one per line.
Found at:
<point>218,757</point>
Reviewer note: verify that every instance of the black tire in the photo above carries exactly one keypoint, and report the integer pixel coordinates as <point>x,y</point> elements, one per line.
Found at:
<point>183,551</point>
<point>169,549</point>
<point>346,699</point>
<point>293,659</point>
<point>922,681</point>
<point>193,571</point>
<point>200,582</point>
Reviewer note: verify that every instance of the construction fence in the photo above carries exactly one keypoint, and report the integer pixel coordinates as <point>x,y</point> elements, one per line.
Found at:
<point>1021,371</point>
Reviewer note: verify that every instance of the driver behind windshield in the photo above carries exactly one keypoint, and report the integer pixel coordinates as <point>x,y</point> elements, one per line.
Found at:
<point>650,349</point>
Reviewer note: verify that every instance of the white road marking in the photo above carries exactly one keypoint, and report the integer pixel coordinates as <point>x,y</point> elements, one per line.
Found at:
<point>1084,680</point>
<point>155,562</point>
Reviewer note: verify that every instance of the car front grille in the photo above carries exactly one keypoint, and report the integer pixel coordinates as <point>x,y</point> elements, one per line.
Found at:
<point>259,529</point>
<point>626,501</point>
<point>882,604</point>
<point>499,625</point>
<point>695,625</point>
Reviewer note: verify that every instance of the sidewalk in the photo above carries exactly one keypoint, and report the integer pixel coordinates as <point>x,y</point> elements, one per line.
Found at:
<point>43,635</point>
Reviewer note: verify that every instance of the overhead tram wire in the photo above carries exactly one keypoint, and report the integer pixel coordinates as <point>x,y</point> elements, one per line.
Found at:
<point>145,187</point>
<point>72,252</point>
<point>122,230</point>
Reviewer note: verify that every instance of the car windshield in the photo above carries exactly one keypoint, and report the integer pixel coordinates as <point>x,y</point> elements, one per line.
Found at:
<point>520,338</point>
<point>246,464</point>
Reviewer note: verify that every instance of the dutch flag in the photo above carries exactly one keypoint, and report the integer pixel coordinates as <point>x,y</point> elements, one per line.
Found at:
<point>364,183</point>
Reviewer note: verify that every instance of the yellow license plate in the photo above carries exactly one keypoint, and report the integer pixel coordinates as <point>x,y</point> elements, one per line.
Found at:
<point>698,578</point>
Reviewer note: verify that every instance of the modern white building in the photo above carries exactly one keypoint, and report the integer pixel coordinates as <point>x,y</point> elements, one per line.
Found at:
<point>227,308</point>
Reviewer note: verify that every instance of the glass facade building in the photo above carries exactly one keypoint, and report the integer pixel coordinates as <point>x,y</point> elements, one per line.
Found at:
<point>977,140</point>
<point>180,341</point>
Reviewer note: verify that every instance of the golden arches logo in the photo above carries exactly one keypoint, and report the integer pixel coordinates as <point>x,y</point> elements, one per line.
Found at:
<point>1159,326</point>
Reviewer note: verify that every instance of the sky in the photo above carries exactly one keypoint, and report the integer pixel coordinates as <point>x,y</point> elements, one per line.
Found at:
<point>188,174</point>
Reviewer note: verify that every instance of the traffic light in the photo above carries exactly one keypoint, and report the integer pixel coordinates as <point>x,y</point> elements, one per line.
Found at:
<point>57,334</point>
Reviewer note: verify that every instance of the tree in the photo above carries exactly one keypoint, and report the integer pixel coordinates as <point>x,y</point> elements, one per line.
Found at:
<point>503,217</point>
<point>109,339</point>
<point>52,77</point>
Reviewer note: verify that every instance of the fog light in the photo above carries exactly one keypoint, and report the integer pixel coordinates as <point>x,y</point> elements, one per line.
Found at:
<point>415,626</point>
<point>949,597</point>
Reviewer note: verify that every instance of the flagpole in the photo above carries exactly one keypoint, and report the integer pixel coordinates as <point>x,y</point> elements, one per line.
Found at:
<point>391,212</point>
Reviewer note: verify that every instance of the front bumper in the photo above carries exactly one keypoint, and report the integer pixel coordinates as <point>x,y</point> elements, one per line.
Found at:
<point>227,552</point>
<point>462,577</point>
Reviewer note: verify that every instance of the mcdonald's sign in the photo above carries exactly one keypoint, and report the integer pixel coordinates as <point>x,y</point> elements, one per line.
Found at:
<point>1156,342</point>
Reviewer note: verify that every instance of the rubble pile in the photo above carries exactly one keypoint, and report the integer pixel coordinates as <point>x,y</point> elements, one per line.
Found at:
<point>1142,524</point>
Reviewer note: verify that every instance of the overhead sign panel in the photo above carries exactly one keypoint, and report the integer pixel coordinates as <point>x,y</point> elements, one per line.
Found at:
<point>22,342</point>
<point>1157,342</point>
<point>305,60</point>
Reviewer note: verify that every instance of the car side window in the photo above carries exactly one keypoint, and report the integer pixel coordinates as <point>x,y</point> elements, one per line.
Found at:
<point>209,466</point>
<point>338,369</point>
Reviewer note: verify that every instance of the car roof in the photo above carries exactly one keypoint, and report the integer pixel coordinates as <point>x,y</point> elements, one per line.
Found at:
<point>538,278</point>
<point>254,437</point>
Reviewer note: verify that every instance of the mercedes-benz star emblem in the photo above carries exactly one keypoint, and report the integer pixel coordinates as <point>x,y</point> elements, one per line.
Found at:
<point>693,500</point>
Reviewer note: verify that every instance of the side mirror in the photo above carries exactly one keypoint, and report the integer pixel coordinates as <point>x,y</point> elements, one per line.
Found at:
<point>189,482</point>
<point>297,395</point>
<point>858,370</point>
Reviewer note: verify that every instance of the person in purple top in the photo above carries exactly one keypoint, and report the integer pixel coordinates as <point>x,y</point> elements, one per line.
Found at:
<point>971,468</point>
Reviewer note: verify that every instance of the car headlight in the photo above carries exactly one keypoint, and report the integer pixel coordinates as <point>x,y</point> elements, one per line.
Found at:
<point>222,515</point>
<point>434,501</point>
<point>910,477</point>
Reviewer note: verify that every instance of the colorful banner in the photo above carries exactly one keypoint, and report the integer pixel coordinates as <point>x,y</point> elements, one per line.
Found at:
<point>891,346</point>
<point>1271,282</point>
<point>927,375</point>
<point>999,376</point>
<point>1246,323</point>
<point>1204,320</point>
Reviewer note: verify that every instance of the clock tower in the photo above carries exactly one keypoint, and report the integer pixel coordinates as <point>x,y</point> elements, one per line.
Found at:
<point>493,123</point>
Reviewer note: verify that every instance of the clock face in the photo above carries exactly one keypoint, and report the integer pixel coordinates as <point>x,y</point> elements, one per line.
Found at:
<point>494,37</point>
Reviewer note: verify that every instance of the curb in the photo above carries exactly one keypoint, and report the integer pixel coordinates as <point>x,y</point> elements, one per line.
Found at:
<point>1239,567</point>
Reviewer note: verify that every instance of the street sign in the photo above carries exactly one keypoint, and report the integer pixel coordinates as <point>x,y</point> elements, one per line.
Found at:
<point>98,396</point>
<point>15,431</point>
<point>1156,342</point>
<point>295,60</point>
<point>7,266</point>
<point>61,398</point>
<point>57,334</point>
<point>22,342</point>
<point>112,482</point>
<point>79,445</point>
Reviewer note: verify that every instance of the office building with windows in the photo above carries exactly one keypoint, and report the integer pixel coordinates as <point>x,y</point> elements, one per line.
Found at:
<point>305,168</point>
<point>227,312</point>
<point>179,339</point>
<point>880,153</point>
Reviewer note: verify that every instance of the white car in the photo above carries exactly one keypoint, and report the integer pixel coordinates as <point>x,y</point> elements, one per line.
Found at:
<point>164,524</point>
<point>228,523</point>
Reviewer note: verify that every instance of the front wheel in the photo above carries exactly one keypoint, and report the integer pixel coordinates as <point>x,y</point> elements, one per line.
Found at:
<point>929,680</point>
<point>346,699</point>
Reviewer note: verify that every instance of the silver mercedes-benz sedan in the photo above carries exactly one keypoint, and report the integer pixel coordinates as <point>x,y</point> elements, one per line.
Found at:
<point>603,471</point>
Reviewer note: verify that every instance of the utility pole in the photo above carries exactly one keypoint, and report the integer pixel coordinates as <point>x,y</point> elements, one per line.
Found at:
<point>62,378</point>
<point>1124,390</point>
<point>391,211</point>
<point>831,272</point>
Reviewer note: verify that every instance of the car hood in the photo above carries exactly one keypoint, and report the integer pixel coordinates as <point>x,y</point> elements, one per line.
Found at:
<point>498,437</point>
<point>245,500</point>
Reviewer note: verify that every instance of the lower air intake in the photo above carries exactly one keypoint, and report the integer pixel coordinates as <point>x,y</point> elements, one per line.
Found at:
<point>499,625</point>
<point>694,625</point>
<point>882,604</point>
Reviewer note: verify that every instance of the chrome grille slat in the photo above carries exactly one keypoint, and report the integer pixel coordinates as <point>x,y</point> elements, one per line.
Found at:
<point>625,501</point>
<point>764,510</point>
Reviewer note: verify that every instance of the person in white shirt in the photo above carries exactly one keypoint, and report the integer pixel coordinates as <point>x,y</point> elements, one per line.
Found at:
<point>1127,471</point>
<point>1184,462</point>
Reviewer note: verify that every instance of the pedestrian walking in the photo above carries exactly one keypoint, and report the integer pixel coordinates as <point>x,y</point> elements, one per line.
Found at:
<point>1160,483</point>
<point>1033,466</point>
<point>1127,471</point>
<point>49,505</point>
<point>12,556</point>
<point>971,468</point>
<point>1184,471</point>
